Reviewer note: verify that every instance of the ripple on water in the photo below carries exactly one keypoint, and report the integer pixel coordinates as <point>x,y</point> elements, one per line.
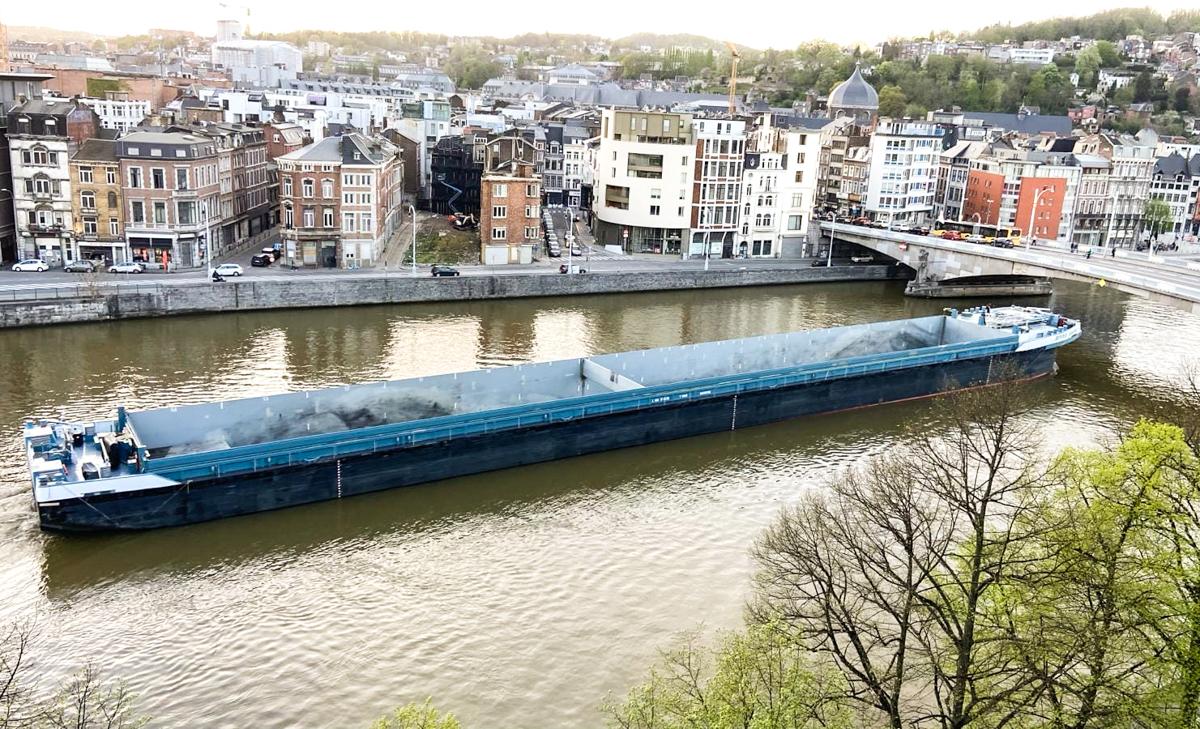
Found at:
<point>514,598</point>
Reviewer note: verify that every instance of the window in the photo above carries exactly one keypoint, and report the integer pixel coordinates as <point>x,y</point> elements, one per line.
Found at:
<point>181,178</point>
<point>761,248</point>
<point>327,189</point>
<point>348,221</point>
<point>531,211</point>
<point>366,223</point>
<point>799,175</point>
<point>327,218</point>
<point>666,125</point>
<point>289,218</point>
<point>308,217</point>
<point>655,209</point>
<point>160,213</point>
<point>135,177</point>
<point>794,222</point>
<point>655,193</point>
<point>531,233</point>
<point>110,176</point>
<point>531,190</point>
<point>114,228</point>
<point>112,199</point>
<point>307,186</point>
<point>500,190</point>
<point>158,178</point>
<point>137,211</point>
<point>185,212</point>
<point>89,226</point>
<point>499,211</point>
<point>85,174</point>
<point>800,157</point>
<point>134,151</point>
<point>287,186</point>
<point>87,200</point>
<point>797,199</point>
<point>499,233</point>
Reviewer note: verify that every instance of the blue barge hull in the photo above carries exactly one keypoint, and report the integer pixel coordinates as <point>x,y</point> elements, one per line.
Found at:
<point>204,482</point>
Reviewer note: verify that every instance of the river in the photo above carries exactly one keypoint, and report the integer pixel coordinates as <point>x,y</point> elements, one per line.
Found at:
<point>517,598</point>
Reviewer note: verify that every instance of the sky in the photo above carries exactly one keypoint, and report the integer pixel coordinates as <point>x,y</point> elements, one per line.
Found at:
<point>770,25</point>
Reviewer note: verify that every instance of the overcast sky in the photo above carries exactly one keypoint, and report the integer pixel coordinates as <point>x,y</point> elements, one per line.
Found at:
<point>758,26</point>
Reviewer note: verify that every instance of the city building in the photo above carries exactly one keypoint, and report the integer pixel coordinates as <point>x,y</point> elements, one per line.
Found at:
<point>844,160</point>
<point>1131,161</point>
<point>172,194</point>
<point>118,110</point>
<point>42,135</point>
<point>340,200</point>
<point>457,167</point>
<point>643,176</point>
<point>1092,201</point>
<point>98,210</point>
<point>720,154</point>
<point>510,198</point>
<point>1176,181</point>
<point>15,88</point>
<point>905,155</point>
<point>854,98</point>
<point>779,191</point>
<point>261,63</point>
<point>576,170</point>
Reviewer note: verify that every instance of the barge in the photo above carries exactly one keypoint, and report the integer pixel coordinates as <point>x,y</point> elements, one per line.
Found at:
<point>193,463</point>
<point>981,286</point>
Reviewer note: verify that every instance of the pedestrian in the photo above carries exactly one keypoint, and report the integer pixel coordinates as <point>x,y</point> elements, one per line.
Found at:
<point>1114,251</point>
<point>1089,252</point>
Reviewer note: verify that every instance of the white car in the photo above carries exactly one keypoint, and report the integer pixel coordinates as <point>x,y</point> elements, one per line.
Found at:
<point>31,264</point>
<point>228,269</point>
<point>127,267</point>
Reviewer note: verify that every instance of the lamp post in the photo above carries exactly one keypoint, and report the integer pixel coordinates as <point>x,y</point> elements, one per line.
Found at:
<point>975,229</point>
<point>412,210</point>
<point>707,247</point>
<point>832,232</point>
<point>1037,195</point>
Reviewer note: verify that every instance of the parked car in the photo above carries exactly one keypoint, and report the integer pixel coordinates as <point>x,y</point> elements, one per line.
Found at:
<point>82,265</point>
<point>576,251</point>
<point>976,239</point>
<point>819,263</point>
<point>261,260</point>
<point>127,267</point>
<point>229,269</point>
<point>31,265</point>
<point>1002,243</point>
<point>274,253</point>
<point>554,250</point>
<point>862,259</point>
<point>444,271</point>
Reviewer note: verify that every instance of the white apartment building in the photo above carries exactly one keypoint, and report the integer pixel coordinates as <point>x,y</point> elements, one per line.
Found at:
<point>255,62</point>
<point>117,111</point>
<point>720,154</point>
<point>1031,56</point>
<point>780,187</point>
<point>1129,189</point>
<point>576,171</point>
<point>644,169</point>
<point>1176,181</point>
<point>42,197</point>
<point>905,155</point>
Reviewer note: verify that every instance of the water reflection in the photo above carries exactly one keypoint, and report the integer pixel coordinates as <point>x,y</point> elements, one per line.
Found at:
<point>516,597</point>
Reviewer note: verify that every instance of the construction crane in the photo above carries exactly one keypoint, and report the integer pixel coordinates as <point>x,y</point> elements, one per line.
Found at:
<point>3,47</point>
<point>733,64</point>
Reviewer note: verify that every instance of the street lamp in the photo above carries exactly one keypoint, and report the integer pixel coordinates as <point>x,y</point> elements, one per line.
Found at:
<point>832,232</point>
<point>1033,210</point>
<point>413,215</point>
<point>707,247</point>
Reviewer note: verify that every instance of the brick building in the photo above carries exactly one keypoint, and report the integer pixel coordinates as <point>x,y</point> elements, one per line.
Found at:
<point>340,200</point>
<point>172,195</point>
<point>97,205</point>
<point>509,201</point>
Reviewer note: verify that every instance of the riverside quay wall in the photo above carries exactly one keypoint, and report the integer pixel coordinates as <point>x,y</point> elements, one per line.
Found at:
<point>69,304</point>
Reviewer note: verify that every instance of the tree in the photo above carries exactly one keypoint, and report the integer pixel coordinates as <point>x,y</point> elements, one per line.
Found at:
<point>1143,87</point>
<point>417,716</point>
<point>1183,99</point>
<point>1110,57</point>
<point>1156,215</point>
<point>759,678</point>
<point>1087,65</point>
<point>892,101</point>
<point>891,572</point>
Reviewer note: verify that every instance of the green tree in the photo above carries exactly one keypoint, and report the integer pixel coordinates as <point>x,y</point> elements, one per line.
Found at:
<point>1156,216</point>
<point>892,101</point>
<point>1143,87</point>
<point>1110,57</point>
<point>1183,99</point>
<point>757,679</point>
<point>1087,65</point>
<point>417,716</point>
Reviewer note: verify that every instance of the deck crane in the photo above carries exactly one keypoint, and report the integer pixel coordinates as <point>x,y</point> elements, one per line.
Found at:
<point>735,56</point>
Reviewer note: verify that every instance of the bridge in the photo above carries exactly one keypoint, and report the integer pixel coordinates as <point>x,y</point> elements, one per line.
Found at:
<point>1172,281</point>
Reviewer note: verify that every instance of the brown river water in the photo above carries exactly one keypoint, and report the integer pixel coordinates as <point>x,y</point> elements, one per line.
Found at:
<point>515,598</point>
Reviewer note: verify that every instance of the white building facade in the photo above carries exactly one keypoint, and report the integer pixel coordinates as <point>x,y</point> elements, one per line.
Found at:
<point>779,190</point>
<point>902,178</point>
<point>716,192</point>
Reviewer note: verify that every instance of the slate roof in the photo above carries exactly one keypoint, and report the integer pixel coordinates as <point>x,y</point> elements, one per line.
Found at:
<point>1025,124</point>
<point>342,149</point>
<point>96,150</point>
<point>854,93</point>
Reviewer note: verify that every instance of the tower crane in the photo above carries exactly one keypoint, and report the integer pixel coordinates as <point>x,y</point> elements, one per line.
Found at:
<point>734,57</point>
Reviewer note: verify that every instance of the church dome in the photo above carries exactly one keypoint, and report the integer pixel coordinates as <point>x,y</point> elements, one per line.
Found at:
<point>854,93</point>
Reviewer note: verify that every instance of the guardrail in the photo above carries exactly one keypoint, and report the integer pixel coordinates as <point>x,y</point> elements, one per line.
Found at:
<point>57,292</point>
<point>323,447</point>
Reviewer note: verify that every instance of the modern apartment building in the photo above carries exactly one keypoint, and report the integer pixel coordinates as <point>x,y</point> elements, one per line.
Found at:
<point>42,135</point>
<point>118,110</point>
<point>172,195</point>
<point>510,198</point>
<point>98,210</point>
<point>643,177</point>
<point>340,201</point>
<point>905,155</point>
